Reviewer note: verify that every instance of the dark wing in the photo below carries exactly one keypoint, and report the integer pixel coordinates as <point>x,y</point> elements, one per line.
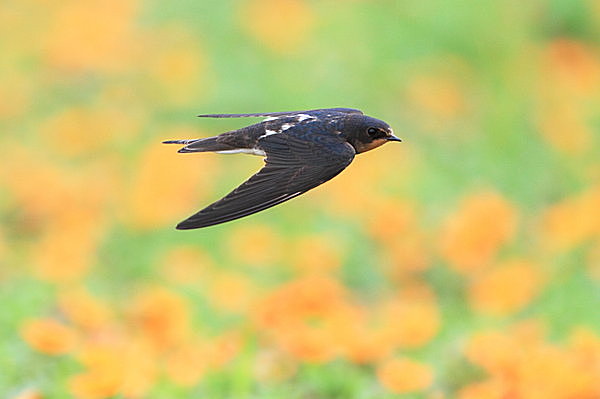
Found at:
<point>275,114</point>
<point>293,166</point>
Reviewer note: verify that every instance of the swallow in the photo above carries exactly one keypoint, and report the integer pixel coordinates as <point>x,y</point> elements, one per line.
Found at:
<point>302,150</point>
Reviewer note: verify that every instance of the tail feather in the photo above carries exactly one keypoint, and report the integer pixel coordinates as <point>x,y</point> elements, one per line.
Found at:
<point>209,144</point>
<point>179,141</point>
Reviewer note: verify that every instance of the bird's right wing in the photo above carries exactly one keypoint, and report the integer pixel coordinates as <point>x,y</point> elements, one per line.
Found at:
<point>293,166</point>
<point>284,113</point>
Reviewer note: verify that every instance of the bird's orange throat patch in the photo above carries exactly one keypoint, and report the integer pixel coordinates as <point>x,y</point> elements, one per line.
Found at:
<point>364,147</point>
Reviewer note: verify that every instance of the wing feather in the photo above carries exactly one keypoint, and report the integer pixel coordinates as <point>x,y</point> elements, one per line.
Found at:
<point>284,113</point>
<point>293,166</point>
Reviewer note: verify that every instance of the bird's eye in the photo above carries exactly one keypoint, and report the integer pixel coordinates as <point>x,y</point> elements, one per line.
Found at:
<point>372,131</point>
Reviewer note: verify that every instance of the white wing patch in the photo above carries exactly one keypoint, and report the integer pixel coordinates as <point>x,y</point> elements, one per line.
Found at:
<point>269,132</point>
<point>303,117</point>
<point>299,119</point>
<point>253,151</point>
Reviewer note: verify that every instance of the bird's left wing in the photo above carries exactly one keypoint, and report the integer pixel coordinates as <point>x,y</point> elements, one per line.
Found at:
<point>293,166</point>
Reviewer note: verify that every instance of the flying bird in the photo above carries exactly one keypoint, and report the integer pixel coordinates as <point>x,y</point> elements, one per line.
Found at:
<point>302,150</point>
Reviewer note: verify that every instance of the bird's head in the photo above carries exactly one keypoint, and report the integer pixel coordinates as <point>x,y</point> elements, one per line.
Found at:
<point>365,133</point>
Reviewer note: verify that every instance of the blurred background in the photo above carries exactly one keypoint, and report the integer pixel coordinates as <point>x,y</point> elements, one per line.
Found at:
<point>461,263</point>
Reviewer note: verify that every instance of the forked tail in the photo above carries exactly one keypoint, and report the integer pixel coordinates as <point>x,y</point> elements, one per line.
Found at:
<point>209,144</point>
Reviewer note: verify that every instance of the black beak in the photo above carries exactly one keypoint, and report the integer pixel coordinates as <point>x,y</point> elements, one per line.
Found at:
<point>393,138</point>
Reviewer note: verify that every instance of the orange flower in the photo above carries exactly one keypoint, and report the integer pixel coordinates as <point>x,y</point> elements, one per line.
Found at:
<point>571,65</point>
<point>498,353</point>
<point>118,369</point>
<point>364,344</point>
<point>306,317</point>
<point>411,324</point>
<point>166,186</point>
<point>407,255</point>
<point>299,301</point>
<point>189,361</point>
<point>162,315</point>
<point>282,25</point>
<point>84,310</point>
<point>553,373</point>
<point>573,221</point>
<point>506,288</point>
<point>472,236</point>
<point>402,375</point>
<point>569,80</point>
<point>49,336</point>
<point>391,220</point>
<point>223,348</point>
<point>308,343</point>
<point>255,245</point>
